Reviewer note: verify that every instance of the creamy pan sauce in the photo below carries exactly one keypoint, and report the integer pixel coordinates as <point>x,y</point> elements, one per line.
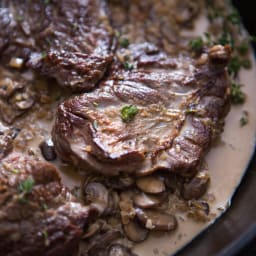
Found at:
<point>227,162</point>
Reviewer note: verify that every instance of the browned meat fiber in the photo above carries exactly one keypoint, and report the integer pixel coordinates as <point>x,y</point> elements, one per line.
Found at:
<point>38,215</point>
<point>178,107</point>
<point>66,40</point>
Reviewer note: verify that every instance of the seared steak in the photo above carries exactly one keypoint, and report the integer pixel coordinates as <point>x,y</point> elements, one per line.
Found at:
<point>38,215</point>
<point>152,113</point>
<point>67,40</point>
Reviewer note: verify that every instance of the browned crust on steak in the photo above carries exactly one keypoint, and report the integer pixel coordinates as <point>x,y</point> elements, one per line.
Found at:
<point>47,221</point>
<point>181,109</point>
<point>67,40</point>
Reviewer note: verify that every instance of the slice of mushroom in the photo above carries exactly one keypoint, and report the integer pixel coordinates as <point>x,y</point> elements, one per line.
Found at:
<point>151,184</point>
<point>120,250</point>
<point>155,220</point>
<point>97,195</point>
<point>196,187</point>
<point>135,232</point>
<point>145,201</point>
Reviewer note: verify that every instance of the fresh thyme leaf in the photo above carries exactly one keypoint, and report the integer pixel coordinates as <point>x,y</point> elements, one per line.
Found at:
<point>128,66</point>
<point>15,171</point>
<point>129,112</point>
<point>226,38</point>
<point>234,66</point>
<point>208,38</point>
<point>44,206</point>
<point>246,64</point>
<point>214,13</point>
<point>43,55</point>
<point>46,237</point>
<point>252,39</point>
<point>243,48</point>
<point>244,119</point>
<point>26,186</point>
<point>196,44</point>
<point>237,95</point>
<point>234,17</point>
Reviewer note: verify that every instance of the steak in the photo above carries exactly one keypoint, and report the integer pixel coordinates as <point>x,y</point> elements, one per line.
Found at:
<point>38,215</point>
<point>175,108</point>
<point>67,40</point>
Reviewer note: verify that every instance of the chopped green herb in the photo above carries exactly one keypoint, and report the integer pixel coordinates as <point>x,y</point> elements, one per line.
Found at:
<point>45,235</point>
<point>252,39</point>
<point>208,38</point>
<point>243,48</point>
<point>128,66</point>
<point>48,41</point>
<point>244,119</point>
<point>234,66</point>
<point>214,13</point>
<point>196,44</point>
<point>45,206</point>
<point>226,38</point>
<point>15,171</point>
<point>43,55</point>
<point>234,18</point>
<point>237,95</point>
<point>129,112</point>
<point>124,42</point>
<point>26,186</point>
<point>246,64</point>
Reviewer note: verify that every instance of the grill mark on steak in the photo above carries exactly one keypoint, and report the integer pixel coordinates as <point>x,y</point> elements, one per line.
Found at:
<point>67,40</point>
<point>181,109</point>
<point>47,221</point>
